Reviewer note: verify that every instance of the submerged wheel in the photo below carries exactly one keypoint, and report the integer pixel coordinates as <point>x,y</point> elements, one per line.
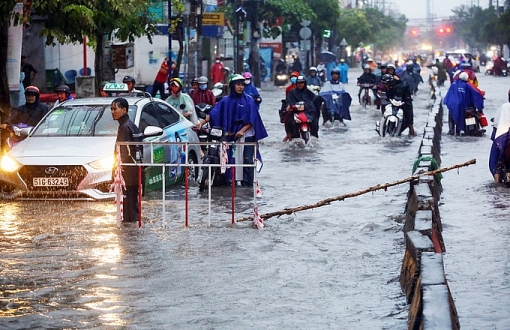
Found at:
<point>193,170</point>
<point>365,101</point>
<point>205,177</point>
<point>306,136</point>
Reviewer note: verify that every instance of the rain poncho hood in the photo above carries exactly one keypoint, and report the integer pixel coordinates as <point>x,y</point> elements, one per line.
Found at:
<point>460,96</point>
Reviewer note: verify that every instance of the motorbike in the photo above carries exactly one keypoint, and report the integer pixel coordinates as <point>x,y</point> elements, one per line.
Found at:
<point>202,110</point>
<point>301,120</point>
<point>314,88</point>
<point>217,91</point>
<point>281,78</point>
<point>474,122</point>
<point>391,121</point>
<point>19,132</point>
<point>213,156</point>
<point>366,99</point>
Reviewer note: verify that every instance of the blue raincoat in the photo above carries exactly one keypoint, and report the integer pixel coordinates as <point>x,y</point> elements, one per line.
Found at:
<point>501,139</point>
<point>235,111</point>
<point>460,96</point>
<point>253,92</point>
<point>344,69</point>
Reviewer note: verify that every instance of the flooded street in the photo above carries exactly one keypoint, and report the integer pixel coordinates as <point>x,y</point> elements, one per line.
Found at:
<point>67,265</point>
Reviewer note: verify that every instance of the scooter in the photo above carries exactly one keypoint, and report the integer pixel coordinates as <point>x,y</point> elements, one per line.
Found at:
<point>366,99</point>
<point>301,119</point>
<point>202,110</point>
<point>213,156</point>
<point>474,122</point>
<point>391,121</point>
<point>20,132</point>
<point>281,78</point>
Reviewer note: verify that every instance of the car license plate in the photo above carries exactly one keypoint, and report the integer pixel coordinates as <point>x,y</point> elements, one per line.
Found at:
<point>51,182</point>
<point>470,121</point>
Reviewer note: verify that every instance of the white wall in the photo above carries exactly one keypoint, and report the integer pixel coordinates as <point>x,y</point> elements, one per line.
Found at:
<point>67,57</point>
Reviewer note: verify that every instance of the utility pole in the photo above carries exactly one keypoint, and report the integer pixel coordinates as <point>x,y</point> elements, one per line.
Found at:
<point>240,15</point>
<point>254,58</point>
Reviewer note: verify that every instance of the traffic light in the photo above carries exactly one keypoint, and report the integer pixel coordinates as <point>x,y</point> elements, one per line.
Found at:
<point>444,30</point>
<point>326,33</point>
<point>413,32</point>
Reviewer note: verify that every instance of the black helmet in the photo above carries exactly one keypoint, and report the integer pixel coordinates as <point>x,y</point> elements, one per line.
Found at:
<point>129,79</point>
<point>384,66</point>
<point>335,70</point>
<point>32,90</point>
<point>63,88</point>
<point>387,78</point>
<point>194,81</point>
<point>301,79</point>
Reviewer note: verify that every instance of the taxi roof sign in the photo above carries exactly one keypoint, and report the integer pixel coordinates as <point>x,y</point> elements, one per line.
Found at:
<point>115,87</point>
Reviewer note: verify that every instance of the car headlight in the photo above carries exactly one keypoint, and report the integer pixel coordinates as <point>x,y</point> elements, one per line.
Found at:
<point>105,163</point>
<point>9,164</point>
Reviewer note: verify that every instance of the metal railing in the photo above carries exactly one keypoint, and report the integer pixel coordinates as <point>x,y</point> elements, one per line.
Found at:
<point>185,147</point>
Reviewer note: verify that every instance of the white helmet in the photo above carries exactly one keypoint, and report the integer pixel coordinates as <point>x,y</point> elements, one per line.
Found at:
<point>464,76</point>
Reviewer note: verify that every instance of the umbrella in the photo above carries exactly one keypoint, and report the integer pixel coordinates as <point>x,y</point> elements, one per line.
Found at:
<point>327,56</point>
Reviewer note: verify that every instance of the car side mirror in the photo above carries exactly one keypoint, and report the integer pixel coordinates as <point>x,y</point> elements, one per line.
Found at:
<point>24,132</point>
<point>152,131</point>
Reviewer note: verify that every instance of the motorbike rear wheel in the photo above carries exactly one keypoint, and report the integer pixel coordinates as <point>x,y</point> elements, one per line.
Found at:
<point>365,100</point>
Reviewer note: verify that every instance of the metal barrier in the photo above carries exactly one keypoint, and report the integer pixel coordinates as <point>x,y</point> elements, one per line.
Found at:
<point>224,146</point>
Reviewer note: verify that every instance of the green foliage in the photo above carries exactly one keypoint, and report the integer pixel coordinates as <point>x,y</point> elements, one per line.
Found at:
<point>327,13</point>
<point>292,11</point>
<point>91,18</point>
<point>476,26</point>
<point>354,27</point>
<point>6,7</point>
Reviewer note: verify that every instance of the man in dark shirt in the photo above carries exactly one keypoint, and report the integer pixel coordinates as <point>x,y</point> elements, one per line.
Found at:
<point>128,132</point>
<point>30,113</point>
<point>29,70</point>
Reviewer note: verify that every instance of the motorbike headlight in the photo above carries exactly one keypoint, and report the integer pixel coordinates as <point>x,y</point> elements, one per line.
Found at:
<point>9,164</point>
<point>105,163</point>
<point>216,132</point>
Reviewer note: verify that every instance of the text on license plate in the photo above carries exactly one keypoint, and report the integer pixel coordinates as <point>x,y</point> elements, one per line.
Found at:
<point>470,121</point>
<point>51,182</point>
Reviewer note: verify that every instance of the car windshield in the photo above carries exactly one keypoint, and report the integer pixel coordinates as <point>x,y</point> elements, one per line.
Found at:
<point>80,120</point>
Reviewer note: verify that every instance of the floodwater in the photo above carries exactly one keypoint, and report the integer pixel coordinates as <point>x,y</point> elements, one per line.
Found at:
<point>67,265</point>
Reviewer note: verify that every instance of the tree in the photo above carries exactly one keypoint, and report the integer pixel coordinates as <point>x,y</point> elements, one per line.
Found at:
<point>476,26</point>
<point>6,7</point>
<point>386,31</point>
<point>68,21</point>
<point>354,26</point>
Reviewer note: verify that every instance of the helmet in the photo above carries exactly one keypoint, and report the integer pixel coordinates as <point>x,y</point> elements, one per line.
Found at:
<point>202,80</point>
<point>370,59</point>
<point>335,71</point>
<point>390,66</point>
<point>384,66</point>
<point>312,68</point>
<point>300,79</point>
<point>342,60</point>
<point>63,88</point>
<point>464,76</point>
<point>129,79</point>
<point>367,67</point>
<point>177,81</point>
<point>32,90</point>
<point>194,81</point>
<point>387,78</point>
<point>235,78</point>
<point>247,75</point>
<point>294,74</point>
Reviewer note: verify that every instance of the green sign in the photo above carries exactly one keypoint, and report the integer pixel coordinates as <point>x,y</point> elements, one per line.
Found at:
<point>326,33</point>
<point>115,87</point>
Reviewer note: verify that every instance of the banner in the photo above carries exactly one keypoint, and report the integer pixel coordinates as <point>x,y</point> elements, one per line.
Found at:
<point>14,41</point>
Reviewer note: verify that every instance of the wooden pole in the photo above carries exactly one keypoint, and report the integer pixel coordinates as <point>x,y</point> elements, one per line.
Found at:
<point>328,201</point>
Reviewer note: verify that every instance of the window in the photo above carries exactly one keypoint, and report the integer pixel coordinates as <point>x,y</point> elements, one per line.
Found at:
<point>167,115</point>
<point>149,117</point>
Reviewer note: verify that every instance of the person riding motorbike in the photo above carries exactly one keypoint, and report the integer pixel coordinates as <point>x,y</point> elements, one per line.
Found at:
<point>63,94</point>
<point>399,89</point>
<point>178,98</point>
<point>301,94</point>
<point>313,79</point>
<point>411,77</point>
<point>202,94</point>
<point>466,67</point>
<point>237,114</point>
<point>130,82</point>
<point>460,96</point>
<point>367,77</point>
<point>30,113</point>
<point>251,90</point>
<point>334,97</point>
<point>379,86</point>
<point>344,69</point>
<point>293,79</point>
<point>281,67</point>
